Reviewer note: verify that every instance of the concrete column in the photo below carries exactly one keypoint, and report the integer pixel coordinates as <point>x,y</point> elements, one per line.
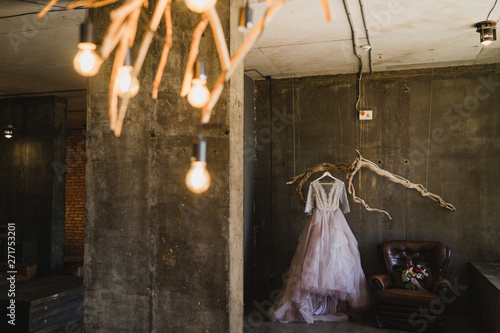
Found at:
<point>159,258</point>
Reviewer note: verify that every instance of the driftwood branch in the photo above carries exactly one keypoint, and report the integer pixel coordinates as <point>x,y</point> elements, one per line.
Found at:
<point>326,9</point>
<point>220,40</point>
<point>193,55</point>
<point>47,8</point>
<point>90,3</point>
<point>238,57</point>
<point>166,49</point>
<point>351,170</point>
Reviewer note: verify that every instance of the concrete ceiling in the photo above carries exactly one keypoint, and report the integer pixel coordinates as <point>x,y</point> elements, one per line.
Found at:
<point>403,34</point>
<point>36,56</point>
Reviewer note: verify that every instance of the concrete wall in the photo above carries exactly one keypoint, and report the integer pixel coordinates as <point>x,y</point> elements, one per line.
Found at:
<point>437,127</point>
<point>159,258</point>
<point>32,169</point>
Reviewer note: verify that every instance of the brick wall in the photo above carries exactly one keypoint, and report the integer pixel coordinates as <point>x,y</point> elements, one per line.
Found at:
<point>76,159</point>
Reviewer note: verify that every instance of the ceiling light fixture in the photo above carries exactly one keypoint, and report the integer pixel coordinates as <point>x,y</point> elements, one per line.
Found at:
<point>198,178</point>
<point>245,18</point>
<point>8,131</point>
<point>199,94</point>
<point>487,31</point>
<point>86,61</point>
<point>128,85</point>
<point>200,6</point>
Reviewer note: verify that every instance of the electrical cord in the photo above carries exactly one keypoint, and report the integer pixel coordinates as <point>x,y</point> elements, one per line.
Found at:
<point>354,47</point>
<point>494,5</point>
<point>254,70</point>
<point>36,13</point>
<point>361,6</point>
<point>43,93</point>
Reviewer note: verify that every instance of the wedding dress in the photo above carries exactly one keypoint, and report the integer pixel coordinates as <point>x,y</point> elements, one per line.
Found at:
<point>326,268</point>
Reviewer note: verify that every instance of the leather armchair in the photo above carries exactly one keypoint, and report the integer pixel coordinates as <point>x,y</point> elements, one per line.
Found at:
<point>415,310</point>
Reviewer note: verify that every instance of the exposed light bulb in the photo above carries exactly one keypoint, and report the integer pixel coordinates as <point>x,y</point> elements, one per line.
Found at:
<point>86,61</point>
<point>128,85</point>
<point>486,42</point>
<point>8,131</point>
<point>199,94</point>
<point>198,178</point>
<point>200,6</point>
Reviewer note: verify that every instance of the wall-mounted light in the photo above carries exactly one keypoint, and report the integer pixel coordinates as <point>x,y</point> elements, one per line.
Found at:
<point>198,178</point>
<point>86,61</point>
<point>200,6</point>
<point>8,131</point>
<point>245,22</point>
<point>199,94</point>
<point>487,32</point>
<point>128,85</point>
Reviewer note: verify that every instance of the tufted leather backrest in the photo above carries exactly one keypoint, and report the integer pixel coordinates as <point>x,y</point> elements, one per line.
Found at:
<point>394,255</point>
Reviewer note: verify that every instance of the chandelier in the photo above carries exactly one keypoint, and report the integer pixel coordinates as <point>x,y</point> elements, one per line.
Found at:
<point>121,35</point>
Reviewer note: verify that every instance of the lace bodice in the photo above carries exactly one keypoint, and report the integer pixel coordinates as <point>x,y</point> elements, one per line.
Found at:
<point>327,201</point>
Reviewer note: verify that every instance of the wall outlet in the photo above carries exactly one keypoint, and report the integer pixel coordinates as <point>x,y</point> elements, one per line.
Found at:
<point>365,115</point>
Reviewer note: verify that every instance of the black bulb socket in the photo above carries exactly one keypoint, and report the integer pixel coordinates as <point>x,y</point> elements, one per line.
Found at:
<point>87,32</point>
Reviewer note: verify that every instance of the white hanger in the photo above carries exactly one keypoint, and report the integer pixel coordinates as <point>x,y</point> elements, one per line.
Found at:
<point>326,174</point>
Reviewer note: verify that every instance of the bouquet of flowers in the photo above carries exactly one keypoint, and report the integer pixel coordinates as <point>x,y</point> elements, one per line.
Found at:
<point>412,274</point>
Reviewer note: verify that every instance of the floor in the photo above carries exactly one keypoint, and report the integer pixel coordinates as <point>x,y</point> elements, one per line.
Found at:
<point>256,324</point>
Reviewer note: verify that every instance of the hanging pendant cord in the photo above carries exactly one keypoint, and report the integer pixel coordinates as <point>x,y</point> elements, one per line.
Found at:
<point>361,6</point>
<point>360,72</point>
<point>494,5</point>
<point>271,170</point>
<point>429,131</point>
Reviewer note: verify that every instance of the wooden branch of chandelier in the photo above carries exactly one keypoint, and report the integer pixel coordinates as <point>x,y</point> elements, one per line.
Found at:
<point>127,33</point>
<point>193,54</point>
<point>166,49</point>
<point>90,3</point>
<point>123,27</point>
<point>47,8</point>
<point>123,22</point>
<point>326,9</point>
<point>143,50</point>
<point>120,56</point>
<point>220,40</point>
<point>353,168</point>
<point>238,57</point>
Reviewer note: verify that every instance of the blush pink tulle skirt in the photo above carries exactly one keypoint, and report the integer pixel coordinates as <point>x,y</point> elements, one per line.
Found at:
<point>325,281</point>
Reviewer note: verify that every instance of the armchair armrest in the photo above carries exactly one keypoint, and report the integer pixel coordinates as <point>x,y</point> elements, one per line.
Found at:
<point>441,285</point>
<point>381,281</point>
